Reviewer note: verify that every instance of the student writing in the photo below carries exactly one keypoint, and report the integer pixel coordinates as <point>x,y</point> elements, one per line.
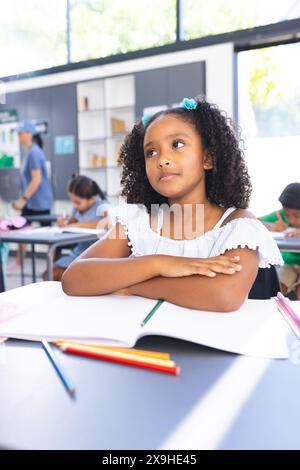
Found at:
<point>287,217</point>
<point>89,207</point>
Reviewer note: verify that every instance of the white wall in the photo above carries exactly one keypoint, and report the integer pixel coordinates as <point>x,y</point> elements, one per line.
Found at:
<point>219,72</point>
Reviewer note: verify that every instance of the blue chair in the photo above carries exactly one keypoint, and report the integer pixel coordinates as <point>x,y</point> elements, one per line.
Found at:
<point>266,284</point>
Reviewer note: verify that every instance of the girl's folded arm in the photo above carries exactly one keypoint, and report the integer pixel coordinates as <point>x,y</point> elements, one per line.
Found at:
<point>223,293</point>
<point>105,267</point>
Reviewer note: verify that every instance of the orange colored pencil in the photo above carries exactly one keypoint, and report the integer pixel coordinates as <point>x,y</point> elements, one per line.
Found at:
<point>147,363</point>
<point>135,352</point>
<point>124,355</point>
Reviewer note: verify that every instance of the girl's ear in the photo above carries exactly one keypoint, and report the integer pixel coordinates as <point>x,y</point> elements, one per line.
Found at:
<point>208,163</point>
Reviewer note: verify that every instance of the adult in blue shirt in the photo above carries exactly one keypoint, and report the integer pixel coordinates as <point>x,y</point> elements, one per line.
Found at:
<point>37,198</point>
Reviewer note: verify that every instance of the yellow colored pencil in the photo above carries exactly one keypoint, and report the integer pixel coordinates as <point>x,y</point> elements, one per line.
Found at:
<point>117,355</point>
<point>168,367</point>
<point>135,352</point>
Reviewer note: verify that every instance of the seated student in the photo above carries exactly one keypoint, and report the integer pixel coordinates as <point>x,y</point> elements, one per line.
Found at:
<point>287,217</point>
<point>185,159</point>
<point>90,206</point>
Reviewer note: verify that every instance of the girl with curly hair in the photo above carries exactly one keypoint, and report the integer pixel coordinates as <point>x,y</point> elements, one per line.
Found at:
<point>184,234</point>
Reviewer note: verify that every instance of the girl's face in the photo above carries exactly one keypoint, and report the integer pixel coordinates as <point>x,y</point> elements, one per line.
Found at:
<point>81,204</point>
<point>292,216</point>
<point>175,159</point>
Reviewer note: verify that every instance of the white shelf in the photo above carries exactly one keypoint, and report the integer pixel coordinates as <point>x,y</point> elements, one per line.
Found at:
<point>119,91</point>
<point>90,95</point>
<point>106,113</point>
<point>100,139</point>
<point>119,120</point>
<point>91,125</point>
<point>96,110</point>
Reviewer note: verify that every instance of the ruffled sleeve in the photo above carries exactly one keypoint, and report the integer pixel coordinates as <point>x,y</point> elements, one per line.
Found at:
<point>250,233</point>
<point>132,219</point>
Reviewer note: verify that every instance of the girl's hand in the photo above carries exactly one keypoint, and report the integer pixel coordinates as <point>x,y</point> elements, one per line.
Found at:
<point>177,266</point>
<point>62,221</point>
<point>124,291</point>
<point>293,233</point>
<point>279,226</point>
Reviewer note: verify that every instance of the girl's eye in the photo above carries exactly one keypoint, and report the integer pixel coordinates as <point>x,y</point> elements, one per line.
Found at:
<point>178,144</point>
<point>151,153</point>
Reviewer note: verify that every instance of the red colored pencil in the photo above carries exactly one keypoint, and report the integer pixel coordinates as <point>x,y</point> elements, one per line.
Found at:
<point>98,355</point>
<point>279,216</point>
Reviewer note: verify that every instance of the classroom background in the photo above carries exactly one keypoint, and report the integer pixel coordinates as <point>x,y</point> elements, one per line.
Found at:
<point>93,68</point>
<point>113,372</point>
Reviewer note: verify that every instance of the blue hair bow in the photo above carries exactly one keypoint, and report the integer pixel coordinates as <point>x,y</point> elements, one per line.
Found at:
<point>146,118</point>
<point>187,103</point>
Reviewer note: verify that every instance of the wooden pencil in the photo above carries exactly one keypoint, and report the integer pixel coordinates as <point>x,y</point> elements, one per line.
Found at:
<point>138,352</point>
<point>147,363</point>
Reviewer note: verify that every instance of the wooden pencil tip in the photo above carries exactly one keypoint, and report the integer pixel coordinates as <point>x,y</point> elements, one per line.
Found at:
<point>142,323</point>
<point>177,371</point>
<point>72,393</point>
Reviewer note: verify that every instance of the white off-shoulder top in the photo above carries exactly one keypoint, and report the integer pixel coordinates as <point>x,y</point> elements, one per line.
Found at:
<point>240,232</point>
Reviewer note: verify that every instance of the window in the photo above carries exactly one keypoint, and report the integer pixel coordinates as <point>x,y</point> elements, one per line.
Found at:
<point>106,27</point>
<point>32,35</point>
<point>269,116</point>
<point>202,18</point>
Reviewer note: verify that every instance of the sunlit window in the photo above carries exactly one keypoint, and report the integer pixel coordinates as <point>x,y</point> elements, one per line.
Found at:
<point>32,35</point>
<point>106,27</point>
<point>203,18</point>
<point>269,116</point>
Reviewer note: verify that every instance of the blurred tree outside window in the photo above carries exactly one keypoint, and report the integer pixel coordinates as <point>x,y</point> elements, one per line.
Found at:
<point>32,35</point>
<point>202,18</point>
<point>101,28</point>
<point>269,116</point>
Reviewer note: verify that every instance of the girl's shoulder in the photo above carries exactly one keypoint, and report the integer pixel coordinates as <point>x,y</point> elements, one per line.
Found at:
<point>238,214</point>
<point>242,229</point>
<point>242,223</point>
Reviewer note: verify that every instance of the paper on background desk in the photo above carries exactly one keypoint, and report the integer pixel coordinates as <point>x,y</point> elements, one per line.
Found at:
<point>281,234</point>
<point>55,230</point>
<point>257,329</point>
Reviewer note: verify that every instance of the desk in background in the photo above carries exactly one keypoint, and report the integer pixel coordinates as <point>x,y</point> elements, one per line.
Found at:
<point>288,244</point>
<point>52,240</point>
<point>42,218</point>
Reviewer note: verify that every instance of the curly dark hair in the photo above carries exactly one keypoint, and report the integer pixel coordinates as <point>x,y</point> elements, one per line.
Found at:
<point>227,183</point>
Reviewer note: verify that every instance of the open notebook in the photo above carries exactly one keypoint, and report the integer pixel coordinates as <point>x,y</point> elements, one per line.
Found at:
<point>42,310</point>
